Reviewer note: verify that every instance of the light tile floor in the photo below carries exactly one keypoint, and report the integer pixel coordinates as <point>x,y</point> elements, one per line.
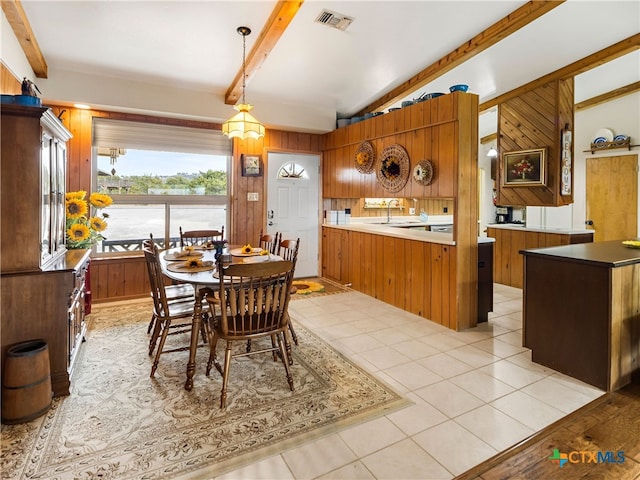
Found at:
<point>475,392</point>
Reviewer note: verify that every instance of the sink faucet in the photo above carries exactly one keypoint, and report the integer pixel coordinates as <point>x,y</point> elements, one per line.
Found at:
<point>389,208</point>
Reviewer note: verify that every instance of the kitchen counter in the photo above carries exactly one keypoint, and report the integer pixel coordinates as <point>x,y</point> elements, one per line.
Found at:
<point>580,311</point>
<point>408,228</point>
<point>606,254</point>
<point>524,228</point>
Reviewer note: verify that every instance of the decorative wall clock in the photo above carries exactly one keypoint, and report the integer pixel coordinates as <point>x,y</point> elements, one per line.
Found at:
<point>423,172</point>
<point>392,168</point>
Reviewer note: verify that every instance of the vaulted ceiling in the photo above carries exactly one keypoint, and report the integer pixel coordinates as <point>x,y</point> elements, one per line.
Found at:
<point>184,58</point>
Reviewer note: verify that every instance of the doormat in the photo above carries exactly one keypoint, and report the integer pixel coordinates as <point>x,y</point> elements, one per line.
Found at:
<point>315,287</point>
<point>120,423</point>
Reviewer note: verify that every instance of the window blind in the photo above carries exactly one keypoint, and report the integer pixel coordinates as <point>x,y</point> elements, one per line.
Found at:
<point>165,138</point>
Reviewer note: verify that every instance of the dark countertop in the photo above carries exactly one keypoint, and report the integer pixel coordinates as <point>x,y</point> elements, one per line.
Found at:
<point>607,254</point>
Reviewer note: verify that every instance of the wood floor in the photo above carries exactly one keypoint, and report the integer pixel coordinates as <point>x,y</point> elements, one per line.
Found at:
<point>610,423</point>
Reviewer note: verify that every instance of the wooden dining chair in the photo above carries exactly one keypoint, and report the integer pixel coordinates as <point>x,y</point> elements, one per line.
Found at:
<point>253,302</point>
<point>288,250</point>
<point>174,292</point>
<point>199,237</point>
<point>269,242</point>
<point>167,312</point>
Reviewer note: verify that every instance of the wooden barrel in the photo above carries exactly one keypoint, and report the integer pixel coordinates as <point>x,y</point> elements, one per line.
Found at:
<point>26,384</point>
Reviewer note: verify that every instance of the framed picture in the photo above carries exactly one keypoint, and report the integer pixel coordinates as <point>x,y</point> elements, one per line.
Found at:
<point>251,166</point>
<point>524,168</point>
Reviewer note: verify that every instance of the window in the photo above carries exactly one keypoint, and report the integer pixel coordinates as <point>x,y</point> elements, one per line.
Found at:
<point>292,170</point>
<point>160,178</point>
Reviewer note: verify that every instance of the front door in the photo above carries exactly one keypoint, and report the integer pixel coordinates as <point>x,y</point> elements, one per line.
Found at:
<point>612,197</point>
<point>293,205</point>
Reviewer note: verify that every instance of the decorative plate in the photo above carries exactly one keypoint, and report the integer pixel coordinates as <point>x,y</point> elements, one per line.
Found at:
<point>620,138</point>
<point>423,172</point>
<point>606,133</point>
<point>365,157</point>
<point>392,168</point>
<point>600,140</point>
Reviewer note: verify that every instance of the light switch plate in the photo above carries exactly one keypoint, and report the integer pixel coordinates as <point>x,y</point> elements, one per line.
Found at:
<point>252,196</point>
<point>412,211</point>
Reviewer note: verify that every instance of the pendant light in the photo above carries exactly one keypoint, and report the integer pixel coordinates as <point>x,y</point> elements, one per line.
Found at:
<point>492,152</point>
<point>243,125</point>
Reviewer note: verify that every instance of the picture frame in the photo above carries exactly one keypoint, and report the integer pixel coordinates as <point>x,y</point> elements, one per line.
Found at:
<point>524,168</point>
<point>251,165</point>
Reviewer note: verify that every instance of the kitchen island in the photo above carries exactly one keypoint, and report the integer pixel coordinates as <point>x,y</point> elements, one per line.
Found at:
<point>581,312</point>
<point>511,238</point>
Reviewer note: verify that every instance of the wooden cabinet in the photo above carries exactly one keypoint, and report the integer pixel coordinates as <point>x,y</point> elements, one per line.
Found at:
<point>508,265</point>
<point>335,258</point>
<point>42,284</point>
<point>33,187</point>
<point>580,311</point>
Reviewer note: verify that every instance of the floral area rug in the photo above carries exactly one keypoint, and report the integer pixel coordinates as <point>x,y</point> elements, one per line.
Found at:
<point>315,287</point>
<point>118,423</point>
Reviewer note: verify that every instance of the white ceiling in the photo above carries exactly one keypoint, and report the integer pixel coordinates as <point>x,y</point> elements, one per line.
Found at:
<point>179,57</point>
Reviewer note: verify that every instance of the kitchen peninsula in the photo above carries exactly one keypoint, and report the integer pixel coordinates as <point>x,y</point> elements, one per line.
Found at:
<point>403,264</point>
<point>436,275</point>
<point>581,312</point>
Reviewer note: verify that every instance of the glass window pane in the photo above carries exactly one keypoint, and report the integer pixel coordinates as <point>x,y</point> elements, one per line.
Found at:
<point>197,217</point>
<point>129,225</point>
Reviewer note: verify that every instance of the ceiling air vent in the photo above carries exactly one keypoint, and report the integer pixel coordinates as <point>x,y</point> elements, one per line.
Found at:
<point>333,19</point>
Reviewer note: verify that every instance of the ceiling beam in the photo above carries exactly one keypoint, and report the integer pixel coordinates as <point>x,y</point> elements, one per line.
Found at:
<point>495,33</point>
<point>601,57</point>
<point>606,97</point>
<point>22,29</point>
<point>277,23</point>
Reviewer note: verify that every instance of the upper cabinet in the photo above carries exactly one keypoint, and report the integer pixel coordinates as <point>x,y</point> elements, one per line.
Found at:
<point>536,120</point>
<point>33,188</point>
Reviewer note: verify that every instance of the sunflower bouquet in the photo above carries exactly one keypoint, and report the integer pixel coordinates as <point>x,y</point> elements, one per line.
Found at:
<point>84,224</point>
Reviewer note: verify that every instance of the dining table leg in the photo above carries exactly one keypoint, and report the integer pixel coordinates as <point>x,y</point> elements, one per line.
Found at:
<point>196,326</point>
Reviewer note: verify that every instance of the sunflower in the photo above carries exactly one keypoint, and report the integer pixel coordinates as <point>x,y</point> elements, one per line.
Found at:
<point>78,232</point>
<point>194,263</point>
<point>247,248</point>
<point>98,224</point>
<point>306,287</point>
<point>84,226</point>
<point>79,195</point>
<point>100,200</point>
<point>76,208</point>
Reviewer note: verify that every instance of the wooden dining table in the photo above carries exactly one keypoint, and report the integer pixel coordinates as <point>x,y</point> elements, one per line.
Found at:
<point>203,281</point>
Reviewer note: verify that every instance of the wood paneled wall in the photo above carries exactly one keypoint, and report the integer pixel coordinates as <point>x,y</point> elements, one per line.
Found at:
<point>445,131</point>
<point>119,278</point>
<point>9,85</point>
<point>535,119</point>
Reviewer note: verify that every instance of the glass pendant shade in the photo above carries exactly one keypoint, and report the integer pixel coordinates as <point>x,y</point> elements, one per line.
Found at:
<point>243,125</point>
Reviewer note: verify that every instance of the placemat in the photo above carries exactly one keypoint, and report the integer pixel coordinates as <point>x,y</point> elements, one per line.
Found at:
<point>171,256</point>
<point>182,268</point>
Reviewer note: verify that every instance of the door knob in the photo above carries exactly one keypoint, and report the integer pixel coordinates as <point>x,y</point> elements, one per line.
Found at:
<point>588,222</point>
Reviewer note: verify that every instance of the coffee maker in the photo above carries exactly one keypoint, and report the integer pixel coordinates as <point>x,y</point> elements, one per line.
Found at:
<point>504,214</point>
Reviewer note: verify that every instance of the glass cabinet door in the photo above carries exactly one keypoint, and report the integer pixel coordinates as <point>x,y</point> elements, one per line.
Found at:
<point>45,207</point>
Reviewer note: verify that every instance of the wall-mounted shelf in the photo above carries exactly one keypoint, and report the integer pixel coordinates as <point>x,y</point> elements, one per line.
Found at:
<point>597,147</point>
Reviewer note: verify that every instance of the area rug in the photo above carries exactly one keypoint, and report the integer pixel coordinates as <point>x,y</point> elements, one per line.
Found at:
<point>119,423</point>
<point>316,287</point>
